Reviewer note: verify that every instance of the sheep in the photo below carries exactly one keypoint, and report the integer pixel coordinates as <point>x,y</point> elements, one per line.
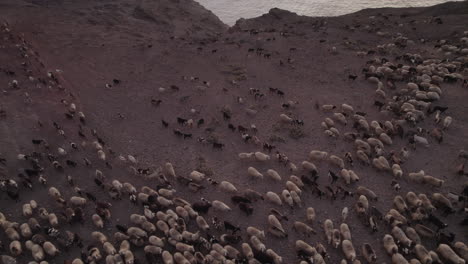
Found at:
<point>381,163</point>
<point>253,195</point>
<point>27,210</point>
<point>424,231</point>
<point>345,232</point>
<point>273,175</point>
<point>251,171</point>
<point>390,245</point>
<point>148,226</point>
<point>124,245</point>
<point>461,249</point>
<point>332,132</point>
<point>5,259</point>
<point>246,156</point>
<point>368,253</point>
<point>426,203</point>
<point>348,250</point>
<point>182,212</point>
<point>375,142</point>
<point>196,176</point>
<point>386,139</point>
<point>15,248</point>
<point>363,124</point>
<point>53,220</point>
<point>12,234</point>
<point>186,235</point>
<point>101,155</point>
<point>340,118</point>
<point>25,230</point>
<point>287,198</point>
<point>361,190</point>
<point>362,156</point>
<point>259,156</point>
<point>202,224</point>
<point>336,161</point>
<point>220,249</point>
<point>362,205</point>
<point>303,228</point>
<point>133,232</point>
<point>184,247</point>
<point>413,200</point>
<point>397,171</point>
<point>309,166</point>
<point>397,258</point>
<point>163,227</point>
<point>275,223</point>
<point>36,251</point>
<point>433,181</point>
<point>435,257</point>
<point>296,180</point>
<point>310,215</point>
<point>328,228</point>
<point>277,259</point>
<point>318,155</point>
<point>362,145</point>
<point>167,257</point>
<point>232,252</point>
<point>227,187</point>
<point>305,248</point>
<point>34,224</point>
<point>109,248</point>
<point>413,235</point>
<point>401,237</point>
<point>253,231</point>
<point>346,176</point>
<point>274,198</point>
<point>257,244</point>
<point>421,140</point>
<point>153,250</point>
<point>347,109</point>
<point>417,177</point>
<point>344,215</point>
<point>164,202</point>
<point>447,122</point>
<point>291,186</point>
<point>328,107</point>
<point>422,254</point>
<point>174,236</point>
<point>166,193</point>
<point>336,238</point>
<point>54,193</point>
<point>296,198</point>
<point>169,170</point>
<point>247,251</point>
<point>128,257</point>
<point>329,123</point>
<point>99,237</point>
<point>400,204</point>
<point>77,201</point>
<point>286,119</point>
<point>442,201</point>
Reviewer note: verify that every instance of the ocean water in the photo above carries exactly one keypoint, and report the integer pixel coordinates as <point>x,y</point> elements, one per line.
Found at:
<point>231,10</point>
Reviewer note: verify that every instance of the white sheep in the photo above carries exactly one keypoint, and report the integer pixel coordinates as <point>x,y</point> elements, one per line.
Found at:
<point>251,171</point>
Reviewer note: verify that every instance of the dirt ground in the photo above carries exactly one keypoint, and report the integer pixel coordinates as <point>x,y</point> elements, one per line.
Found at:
<point>206,66</point>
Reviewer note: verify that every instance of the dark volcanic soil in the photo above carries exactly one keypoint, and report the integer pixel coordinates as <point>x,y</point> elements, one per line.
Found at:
<point>206,66</point>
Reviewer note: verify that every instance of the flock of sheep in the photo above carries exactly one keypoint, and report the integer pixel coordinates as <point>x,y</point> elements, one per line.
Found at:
<point>169,229</point>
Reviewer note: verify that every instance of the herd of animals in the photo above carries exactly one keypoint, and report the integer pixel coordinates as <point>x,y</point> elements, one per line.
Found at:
<point>169,229</point>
